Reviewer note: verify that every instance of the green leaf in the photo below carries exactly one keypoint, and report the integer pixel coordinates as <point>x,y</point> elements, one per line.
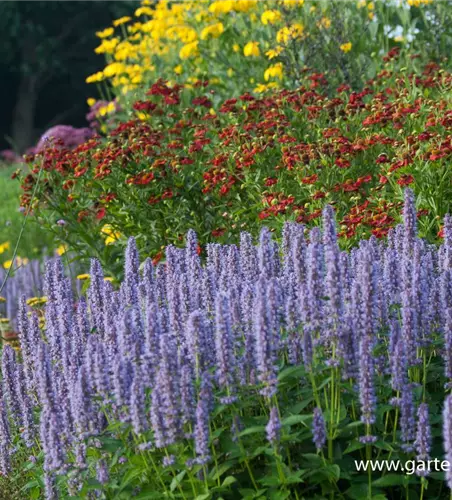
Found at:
<point>390,480</point>
<point>253,430</point>
<point>279,495</point>
<point>130,476</point>
<point>295,419</point>
<point>177,480</point>
<point>353,446</point>
<point>228,481</point>
<point>291,371</point>
<point>215,473</point>
<point>29,485</point>
<point>206,496</point>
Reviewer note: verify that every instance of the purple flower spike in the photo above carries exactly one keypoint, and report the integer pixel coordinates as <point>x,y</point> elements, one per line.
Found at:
<point>202,432</point>
<point>102,473</point>
<point>131,273</point>
<point>423,441</point>
<point>273,427</point>
<point>318,429</point>
<point>447,436</point>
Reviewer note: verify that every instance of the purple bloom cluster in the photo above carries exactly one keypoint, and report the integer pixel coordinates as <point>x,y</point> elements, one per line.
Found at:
<point>156,353</point>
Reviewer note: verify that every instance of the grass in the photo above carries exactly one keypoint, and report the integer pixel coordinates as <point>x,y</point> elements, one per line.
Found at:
<point>34,239</point>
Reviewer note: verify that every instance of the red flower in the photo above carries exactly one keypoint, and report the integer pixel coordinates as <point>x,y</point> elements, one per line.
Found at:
<point>310,179</point>
<point>405,180</point>
<point>342,163</point>
<point>383,179</point>
<point>271,181</point>
<point>157,258</point>
<point>101,213</point>
<point>167,194</point>
<point>218,232</point>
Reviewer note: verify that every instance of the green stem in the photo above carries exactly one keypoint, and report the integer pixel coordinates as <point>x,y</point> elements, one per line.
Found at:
<point>27,213</point>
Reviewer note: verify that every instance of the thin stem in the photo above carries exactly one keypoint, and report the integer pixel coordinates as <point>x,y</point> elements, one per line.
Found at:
<point>27,213</point>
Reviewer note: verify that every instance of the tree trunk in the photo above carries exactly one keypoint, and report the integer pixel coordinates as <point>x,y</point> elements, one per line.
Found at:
<point>24,113</point>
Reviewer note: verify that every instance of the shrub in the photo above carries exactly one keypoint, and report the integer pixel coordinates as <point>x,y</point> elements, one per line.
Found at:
<point>266,372</point>
<point>246,45</point>
<point>180,165</point>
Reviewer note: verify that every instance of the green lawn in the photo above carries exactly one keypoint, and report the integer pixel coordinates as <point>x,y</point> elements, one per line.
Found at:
<point>34,238</point>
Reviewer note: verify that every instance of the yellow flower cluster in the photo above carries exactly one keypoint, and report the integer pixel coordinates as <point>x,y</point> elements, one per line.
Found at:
<point>346,47</point>
<point>36,301</point>
<point>288,33</point>
<point>4,246</point>
<point>177,35</point>
<point>111,236</point>
<point>175,38</point>
<point>18,262</point>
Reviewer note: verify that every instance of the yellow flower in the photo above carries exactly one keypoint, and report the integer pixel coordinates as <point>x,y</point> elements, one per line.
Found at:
<point>214,31</point>
<point>189,50</point>
<point>36,301</point>
<point>251,49</point>
<point>288,33</point>
<point>62,249</point>
<point>399,39</point>
<point>4,320</point>
<point>106,110</point>
<point>105,33</point>
<point>325,22</point>
<point>271,17</point>
<point>2,299</point>
<point>244,5</point>
<point>274,71</point>
<point>109,240</point>
<point>121,20</point>
<point>178,69</point>
<point>370,6</point>
<point>417,3</point>
<point>236,47</point>
<point>290,4</point>
<point>82,277</point>
<point>91,101</point>
<point>96,77</point>
<point>107,46</point>
<point>221,7</point>
<point>108,278</point>
<point>4,247</point>
<point>113,69</point>
<point>346,47</point>
<point>7,264</point>
<point>144,11</point>
<point>272,53</point>
<point>261,87</point>
<point>371,15</point>
<point>230,72</point>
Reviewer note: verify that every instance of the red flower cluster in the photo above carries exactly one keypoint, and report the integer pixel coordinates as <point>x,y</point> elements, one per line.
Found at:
<point>282,155</point>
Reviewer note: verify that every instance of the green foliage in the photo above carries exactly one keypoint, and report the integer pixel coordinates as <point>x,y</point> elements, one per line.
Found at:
<point>35,238</point>
<point>255,160</point>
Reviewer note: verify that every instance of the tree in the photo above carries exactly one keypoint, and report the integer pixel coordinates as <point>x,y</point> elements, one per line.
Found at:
<point>49,45</point>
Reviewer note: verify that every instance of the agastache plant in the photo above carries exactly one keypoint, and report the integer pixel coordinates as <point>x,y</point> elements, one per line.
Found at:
<point>249,362</point>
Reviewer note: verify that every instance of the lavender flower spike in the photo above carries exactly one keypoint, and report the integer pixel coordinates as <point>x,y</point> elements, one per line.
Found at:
<point>318,429</point>
<point>273,428</point>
